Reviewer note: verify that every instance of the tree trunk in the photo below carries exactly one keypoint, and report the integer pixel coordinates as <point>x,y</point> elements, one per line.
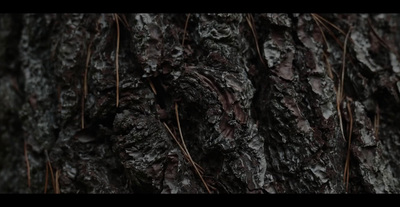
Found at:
<point>199,103</point>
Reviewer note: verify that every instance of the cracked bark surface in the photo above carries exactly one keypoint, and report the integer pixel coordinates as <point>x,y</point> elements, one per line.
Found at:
<point>254,126</point>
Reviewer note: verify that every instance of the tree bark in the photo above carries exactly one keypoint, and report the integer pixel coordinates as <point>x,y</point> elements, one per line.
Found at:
<point>199,103</point>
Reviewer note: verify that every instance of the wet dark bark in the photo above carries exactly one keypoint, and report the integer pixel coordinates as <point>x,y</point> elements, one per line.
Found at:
<point>256,122</point>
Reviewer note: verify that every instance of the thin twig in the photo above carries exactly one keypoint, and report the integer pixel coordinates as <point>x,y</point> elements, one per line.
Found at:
<point>28,171</point>
<point>184,145</point>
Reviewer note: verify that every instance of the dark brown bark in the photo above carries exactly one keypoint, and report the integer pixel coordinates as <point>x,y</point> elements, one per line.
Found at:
<point>256,97</point>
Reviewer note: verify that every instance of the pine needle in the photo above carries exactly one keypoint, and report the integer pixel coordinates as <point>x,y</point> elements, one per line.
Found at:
<point>152,86</point>
<point>340,114</point>
<point>51,170</point>
<point>182,149</point>
<point>376,121</point>
<point>28,171</point>
<point>381,41</point>
<point>344,62</point>
<point>85,87</point>
<point>319,17</point>
<point>116,60</point>
<point>250,21</point>
<point>347,165</point>
<point>83,113</point>
<point>184,146</point>
<point>318,22</point>
<point>184,31</point>
<point>338,95</point>
<point>46,178</point>
<point>329,68</point>
<point>124,20</point>
<point>57,189</point>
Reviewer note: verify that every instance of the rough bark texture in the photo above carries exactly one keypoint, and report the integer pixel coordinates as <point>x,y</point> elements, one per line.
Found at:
<point>256,122</point>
